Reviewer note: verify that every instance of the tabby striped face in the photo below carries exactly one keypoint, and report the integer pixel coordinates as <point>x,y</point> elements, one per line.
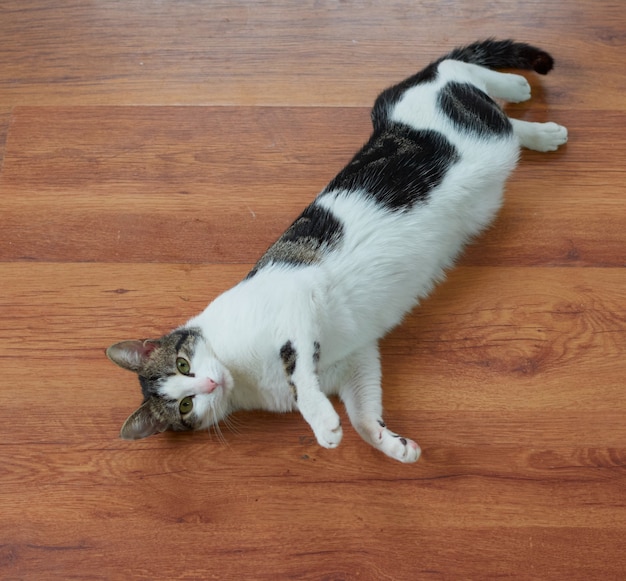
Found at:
<point>184,386</point>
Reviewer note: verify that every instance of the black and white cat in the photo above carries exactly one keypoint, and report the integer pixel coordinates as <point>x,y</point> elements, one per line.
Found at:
<point>306,321</point>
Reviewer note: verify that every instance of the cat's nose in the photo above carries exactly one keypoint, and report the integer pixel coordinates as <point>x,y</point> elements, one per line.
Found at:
<point>208,385</point>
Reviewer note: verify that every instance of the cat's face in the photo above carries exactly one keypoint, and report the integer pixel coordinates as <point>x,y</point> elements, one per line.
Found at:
<point>184,386</point>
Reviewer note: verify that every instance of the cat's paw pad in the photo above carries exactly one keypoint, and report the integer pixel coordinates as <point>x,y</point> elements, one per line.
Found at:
<point>515,89</point>
<point>549,136</point>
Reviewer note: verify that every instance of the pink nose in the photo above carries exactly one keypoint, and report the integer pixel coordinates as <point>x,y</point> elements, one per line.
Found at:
<point>209,385</point>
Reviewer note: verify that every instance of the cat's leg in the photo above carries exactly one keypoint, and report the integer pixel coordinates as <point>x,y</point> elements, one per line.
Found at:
<point>362,396</point>
<point>507,86</point>
<point>513,88</point>
<point>539,136</point>
<point>300,364</point>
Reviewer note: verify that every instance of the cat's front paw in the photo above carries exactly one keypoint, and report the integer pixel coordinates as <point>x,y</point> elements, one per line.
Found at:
<point>397,447</point>
<point>329,432</point>
<point>404,450</point>
<point>320,414</point>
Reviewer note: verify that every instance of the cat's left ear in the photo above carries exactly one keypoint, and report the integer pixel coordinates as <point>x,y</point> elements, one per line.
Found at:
<point>131,355</point>
<point>142,423</point>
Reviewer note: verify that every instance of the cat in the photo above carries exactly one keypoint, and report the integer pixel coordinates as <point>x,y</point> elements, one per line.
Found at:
<point>305,322</point>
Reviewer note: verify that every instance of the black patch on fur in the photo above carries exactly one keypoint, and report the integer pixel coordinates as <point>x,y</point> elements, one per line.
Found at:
<point>472,110</point>
<point>398,166</point>
<point>313,232</point>
<point>316,352</point>
<point>315,224</point>
<point>289,356</point>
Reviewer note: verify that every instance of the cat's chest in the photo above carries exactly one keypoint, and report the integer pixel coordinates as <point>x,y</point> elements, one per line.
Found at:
<point>261,384</point>
<point>266,386</point>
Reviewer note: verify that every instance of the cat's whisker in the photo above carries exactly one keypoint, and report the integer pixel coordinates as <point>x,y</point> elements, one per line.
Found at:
<point>232,424</point>
<point>216,426</point>
<point>220,435</point>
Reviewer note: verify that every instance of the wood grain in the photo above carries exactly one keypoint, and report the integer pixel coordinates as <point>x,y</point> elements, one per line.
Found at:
<point>211,173</point>
<point>285,53</point>
<point>151,151</point>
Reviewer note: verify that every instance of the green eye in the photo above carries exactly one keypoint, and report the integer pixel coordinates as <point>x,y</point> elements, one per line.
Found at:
<point>183,366</point>
<point>186,405</point>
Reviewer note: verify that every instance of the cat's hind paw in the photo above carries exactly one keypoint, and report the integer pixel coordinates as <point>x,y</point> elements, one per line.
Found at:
<point>539,136</point>
<point>549,136</point>
<point>512,88</point>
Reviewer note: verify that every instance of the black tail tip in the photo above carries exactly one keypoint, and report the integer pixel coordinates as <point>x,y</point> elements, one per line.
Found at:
<point>542,63</point>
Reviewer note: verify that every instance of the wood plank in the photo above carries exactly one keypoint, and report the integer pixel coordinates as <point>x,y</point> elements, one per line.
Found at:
<point>578,448</point>
<point>109,182</point>
<point>281,53</point>
<point>546,553</point>
<point>5,119</point>
<point>160,492</point>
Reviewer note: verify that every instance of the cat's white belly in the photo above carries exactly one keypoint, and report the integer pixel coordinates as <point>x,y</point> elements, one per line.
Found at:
<point>388,261</point>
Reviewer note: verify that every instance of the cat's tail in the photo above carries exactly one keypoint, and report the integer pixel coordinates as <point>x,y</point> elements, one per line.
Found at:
<point>504,54</point>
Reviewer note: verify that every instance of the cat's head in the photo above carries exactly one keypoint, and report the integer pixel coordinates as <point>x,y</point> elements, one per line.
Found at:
<point>184,386</point>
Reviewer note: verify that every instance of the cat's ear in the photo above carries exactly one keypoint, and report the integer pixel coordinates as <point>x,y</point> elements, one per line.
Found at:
<point>131,355</point>
<point>142,423</point>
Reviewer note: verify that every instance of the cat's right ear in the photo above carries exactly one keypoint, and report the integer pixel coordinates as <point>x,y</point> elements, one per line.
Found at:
<point>142,423</point>
<point>131,355</point>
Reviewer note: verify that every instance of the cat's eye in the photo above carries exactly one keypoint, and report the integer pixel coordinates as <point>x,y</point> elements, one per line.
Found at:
<point>185,405</point>
<point>183,366</point>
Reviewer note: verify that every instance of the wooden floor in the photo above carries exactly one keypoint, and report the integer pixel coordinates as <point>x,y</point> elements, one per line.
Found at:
<point>152,150</point>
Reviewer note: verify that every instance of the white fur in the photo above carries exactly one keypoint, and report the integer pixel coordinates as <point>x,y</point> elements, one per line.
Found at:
<point>385,262</point>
